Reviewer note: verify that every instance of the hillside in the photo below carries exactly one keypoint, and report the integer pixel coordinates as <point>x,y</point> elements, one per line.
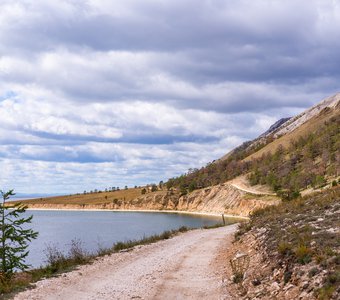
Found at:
<point>94,198</point>
<point>286,181</point>
<point>293,248</point>
<point>296,155</point>
<point>299,154</point>
<point>221,199</point>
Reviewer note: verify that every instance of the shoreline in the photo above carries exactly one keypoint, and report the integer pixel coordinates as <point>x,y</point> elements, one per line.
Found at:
<point>207,214</point>
<point>150,271</point>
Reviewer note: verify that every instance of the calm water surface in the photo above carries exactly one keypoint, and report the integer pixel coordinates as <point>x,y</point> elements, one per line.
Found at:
<point>104,228</point>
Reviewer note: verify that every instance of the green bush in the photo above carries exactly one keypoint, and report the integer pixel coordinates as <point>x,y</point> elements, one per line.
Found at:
<point>285,248</point>
<point>14,238</point>
<point>303,254</point>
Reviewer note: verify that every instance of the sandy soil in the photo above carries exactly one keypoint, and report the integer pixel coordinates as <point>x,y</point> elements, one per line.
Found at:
<point>187,266</point>
<point>243,184</point>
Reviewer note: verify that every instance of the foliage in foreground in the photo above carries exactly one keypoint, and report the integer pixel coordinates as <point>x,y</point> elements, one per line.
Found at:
<point>14,239</point>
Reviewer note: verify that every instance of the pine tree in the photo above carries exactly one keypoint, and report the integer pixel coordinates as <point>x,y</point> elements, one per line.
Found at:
<point>14,237</point>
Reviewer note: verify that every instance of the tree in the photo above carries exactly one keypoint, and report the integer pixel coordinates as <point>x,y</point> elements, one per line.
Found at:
<point>14,237</point>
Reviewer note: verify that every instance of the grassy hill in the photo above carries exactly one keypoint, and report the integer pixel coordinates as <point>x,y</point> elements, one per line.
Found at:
<point>300,153</point>
<point>90,198</point>
<point>304,156</point>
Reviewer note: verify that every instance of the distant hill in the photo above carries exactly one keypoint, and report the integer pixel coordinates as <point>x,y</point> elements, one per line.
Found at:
<point>294,154</point>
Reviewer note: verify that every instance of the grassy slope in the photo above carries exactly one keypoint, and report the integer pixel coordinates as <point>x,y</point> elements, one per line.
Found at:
<point>303,130</point>
<point>108,197</point>
<point>94,198</point>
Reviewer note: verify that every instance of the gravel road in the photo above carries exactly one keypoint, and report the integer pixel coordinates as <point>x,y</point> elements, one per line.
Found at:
<point>184,267</point>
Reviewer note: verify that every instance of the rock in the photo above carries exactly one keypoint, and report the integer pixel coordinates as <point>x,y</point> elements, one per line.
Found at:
<point>259,292</point>
<point>262,230</point>
<point>303,295</point>
<point>288,287</point>
<point>305,285</point>
<point>275,286</point>
<point>256,282</point>
<point>276,273</point>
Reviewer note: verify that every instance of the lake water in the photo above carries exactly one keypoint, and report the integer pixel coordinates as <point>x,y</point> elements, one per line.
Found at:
<point>104,228</point>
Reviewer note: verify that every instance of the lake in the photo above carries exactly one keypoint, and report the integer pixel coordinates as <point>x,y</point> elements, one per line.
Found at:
<point>102,228</point>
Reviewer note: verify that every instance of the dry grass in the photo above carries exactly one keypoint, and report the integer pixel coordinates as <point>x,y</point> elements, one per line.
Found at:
<point>94,198</point>
<point>303,130</point>
<point>300,232</point>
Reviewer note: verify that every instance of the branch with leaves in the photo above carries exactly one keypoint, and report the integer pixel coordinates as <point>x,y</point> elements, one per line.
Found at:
<point>14,237</point>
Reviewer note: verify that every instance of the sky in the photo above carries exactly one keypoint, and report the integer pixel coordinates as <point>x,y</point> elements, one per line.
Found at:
<point>104,93</point>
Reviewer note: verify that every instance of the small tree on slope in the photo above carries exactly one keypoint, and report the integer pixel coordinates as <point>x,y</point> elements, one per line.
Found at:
<point>14,237</point>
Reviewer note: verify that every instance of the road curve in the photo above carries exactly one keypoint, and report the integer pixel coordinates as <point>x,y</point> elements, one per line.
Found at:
<point>183,267</point>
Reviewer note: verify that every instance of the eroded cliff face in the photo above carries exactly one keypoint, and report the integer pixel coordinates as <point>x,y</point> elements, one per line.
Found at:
<point>224,198</point>
<point>219,199</point>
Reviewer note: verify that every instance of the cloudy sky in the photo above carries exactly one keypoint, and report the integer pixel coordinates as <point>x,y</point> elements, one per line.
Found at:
<point>103,93</point>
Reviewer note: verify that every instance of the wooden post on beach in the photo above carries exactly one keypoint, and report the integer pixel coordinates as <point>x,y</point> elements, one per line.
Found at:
<point>223,219</point>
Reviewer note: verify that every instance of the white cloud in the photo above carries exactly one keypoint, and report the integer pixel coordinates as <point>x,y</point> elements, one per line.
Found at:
<point>132,92</point>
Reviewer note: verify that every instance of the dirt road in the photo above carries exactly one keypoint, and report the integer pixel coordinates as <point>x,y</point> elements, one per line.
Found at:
<point>184,267</point>
<point>242,183</point>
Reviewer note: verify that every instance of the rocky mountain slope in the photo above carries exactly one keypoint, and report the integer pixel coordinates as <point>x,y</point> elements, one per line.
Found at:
<point>282,131</point>
<point>294,154</point>
<point>329,103</point>
<point>294,250</point>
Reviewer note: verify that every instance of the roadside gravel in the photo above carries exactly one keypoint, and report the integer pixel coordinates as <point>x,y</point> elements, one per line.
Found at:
<point>184,267</point>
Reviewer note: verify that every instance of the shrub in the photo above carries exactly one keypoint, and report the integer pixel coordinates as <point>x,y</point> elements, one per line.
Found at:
<point>14,238</point>
<point>287,275</point>
<point>303,254</point>
<point>284,248</point>
<point>77,253</point>
<point>312,272</point>
<point>55,259</point>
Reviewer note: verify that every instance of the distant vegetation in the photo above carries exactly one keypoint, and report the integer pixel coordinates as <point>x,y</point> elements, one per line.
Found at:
<point>91,198</point>
<point>305,163</point>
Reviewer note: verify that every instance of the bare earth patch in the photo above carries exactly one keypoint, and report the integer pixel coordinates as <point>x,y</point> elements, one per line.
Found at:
<point>242,183</point>
<point>187,266</point>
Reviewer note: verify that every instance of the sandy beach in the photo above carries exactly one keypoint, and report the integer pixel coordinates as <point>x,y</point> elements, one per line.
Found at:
<point>187,266</point>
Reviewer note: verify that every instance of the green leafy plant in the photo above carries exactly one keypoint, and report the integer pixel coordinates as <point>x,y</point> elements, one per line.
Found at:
<point>14,238</point>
